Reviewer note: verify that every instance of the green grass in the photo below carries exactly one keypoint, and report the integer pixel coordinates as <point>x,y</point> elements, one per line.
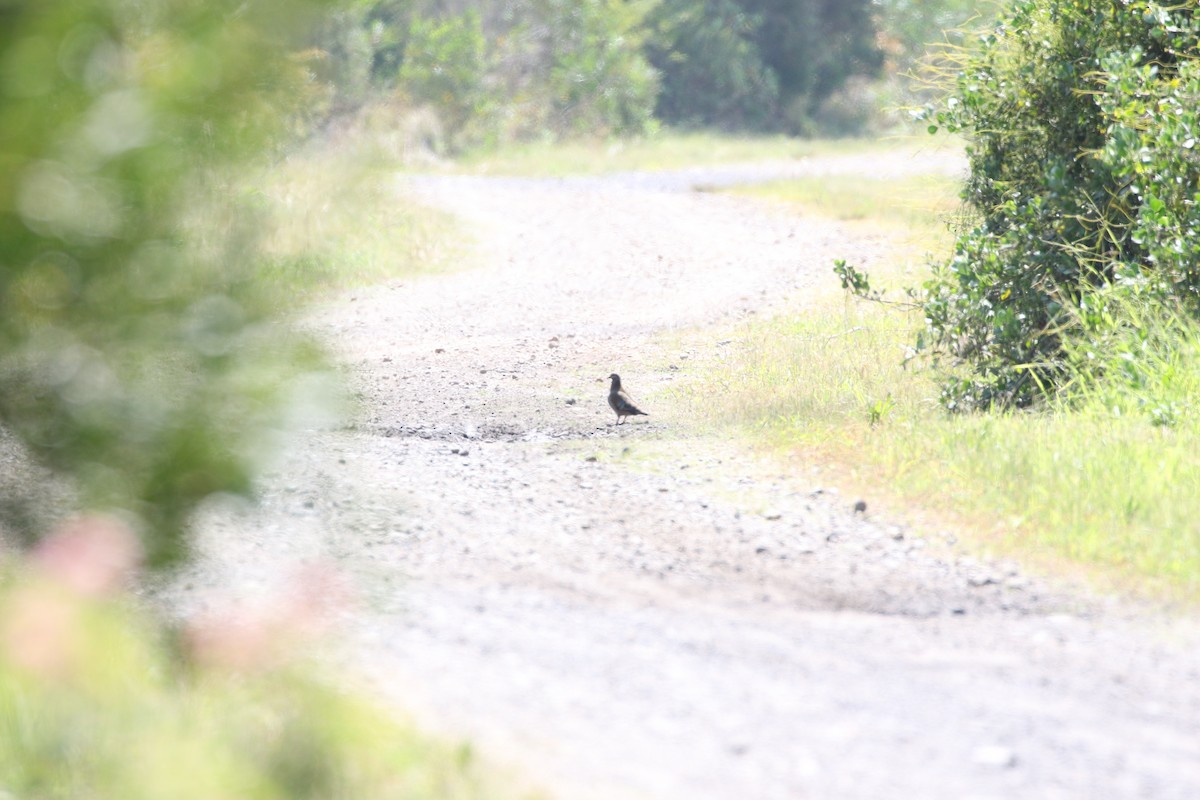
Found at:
<point>915,210</point>
<point>1095,480</point>
<point>663,151</point>
<point>337,220</point>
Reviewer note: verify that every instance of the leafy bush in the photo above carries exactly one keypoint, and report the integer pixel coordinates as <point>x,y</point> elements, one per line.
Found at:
<point>445,66</point>
<point>1078,116</point>
<point>560,68</point>
<point>134,354</point>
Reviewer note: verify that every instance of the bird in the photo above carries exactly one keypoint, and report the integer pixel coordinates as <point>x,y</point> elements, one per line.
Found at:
<point>620,402</point>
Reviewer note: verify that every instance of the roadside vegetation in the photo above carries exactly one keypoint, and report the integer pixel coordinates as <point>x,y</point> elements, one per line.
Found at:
<point>175,178</point>
<point>97,700</point>
<point>334,219</point>
<point>1090,476</point>
<point>662,150</point>
<point>144,264</point>
<point>1048,394</point>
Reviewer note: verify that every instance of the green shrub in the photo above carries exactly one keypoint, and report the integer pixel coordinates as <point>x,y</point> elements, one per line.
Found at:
<point>134,357</point>
<point>571,68</point>
<point>1078,115</point>
<point>445,66</point>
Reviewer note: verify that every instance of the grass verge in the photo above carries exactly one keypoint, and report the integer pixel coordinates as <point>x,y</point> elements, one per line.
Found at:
<point>336,220</point>
<point>1103,479</point>
<point>663,151</point>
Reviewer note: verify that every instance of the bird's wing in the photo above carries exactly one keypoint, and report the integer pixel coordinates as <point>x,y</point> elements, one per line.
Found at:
<point>621,402</point>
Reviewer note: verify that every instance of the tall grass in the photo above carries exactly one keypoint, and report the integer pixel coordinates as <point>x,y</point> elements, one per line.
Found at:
<point>337,220</point>
<point>1107,475</point>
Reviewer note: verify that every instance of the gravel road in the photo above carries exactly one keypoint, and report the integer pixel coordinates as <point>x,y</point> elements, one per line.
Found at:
<point>649,611</point>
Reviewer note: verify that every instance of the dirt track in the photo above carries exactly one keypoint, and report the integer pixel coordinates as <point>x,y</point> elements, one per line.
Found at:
<point>644,612</point>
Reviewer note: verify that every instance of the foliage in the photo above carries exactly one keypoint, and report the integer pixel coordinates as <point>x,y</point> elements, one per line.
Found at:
<point>574,67</point>
<point>495,73</point>
<point>1104,475</point>
<point>1078,115</point>
<point>445,66</point>
<point>911,28</point>
<point>712,71</point>
<point>133,351</point>
<point>97,702</point>
<point>759,64</point>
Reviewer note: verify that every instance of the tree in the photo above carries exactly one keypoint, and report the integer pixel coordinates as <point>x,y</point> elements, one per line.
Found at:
<point>760,64</point>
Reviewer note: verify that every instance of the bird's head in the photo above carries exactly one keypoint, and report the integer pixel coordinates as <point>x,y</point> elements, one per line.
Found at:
<point>615,378</point>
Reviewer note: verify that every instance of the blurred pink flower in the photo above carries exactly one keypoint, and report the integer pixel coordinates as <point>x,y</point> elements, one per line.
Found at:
<point>241,639</point>
<point>94,554</point>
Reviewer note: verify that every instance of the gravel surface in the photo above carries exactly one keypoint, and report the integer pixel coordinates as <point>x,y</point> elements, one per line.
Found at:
<point>644,611</point>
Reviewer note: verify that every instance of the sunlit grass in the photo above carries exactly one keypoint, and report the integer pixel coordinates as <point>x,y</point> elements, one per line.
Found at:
<point>1099,480</point>
<point>663,151</point>
<point>337,220</point>
<point>915,210</point>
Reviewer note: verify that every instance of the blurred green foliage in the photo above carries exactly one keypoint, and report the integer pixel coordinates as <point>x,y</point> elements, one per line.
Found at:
<point>538,69</point>
<point>1080,120</point>
<point>96,702</point>
<point>494,73</point>
<point>135,354</point>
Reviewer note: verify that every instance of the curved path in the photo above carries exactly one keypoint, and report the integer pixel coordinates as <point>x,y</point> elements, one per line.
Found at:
<point>649,612</point>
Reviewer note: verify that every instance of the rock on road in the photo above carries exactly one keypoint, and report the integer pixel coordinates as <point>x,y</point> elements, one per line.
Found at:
<point>648,612</point>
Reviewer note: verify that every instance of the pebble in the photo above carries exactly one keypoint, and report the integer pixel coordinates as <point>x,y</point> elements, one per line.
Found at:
<point>994,755</point>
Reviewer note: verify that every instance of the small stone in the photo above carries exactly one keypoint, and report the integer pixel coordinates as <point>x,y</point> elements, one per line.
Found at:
<point>772,515</point>
<point>464,452</point>
<point>860,507</point>
<point>591,459</point>
<point>994,755</point>
<point>571,401</point>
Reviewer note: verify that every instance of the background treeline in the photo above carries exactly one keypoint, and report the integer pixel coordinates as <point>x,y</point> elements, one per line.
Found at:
<point>464,73</point>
